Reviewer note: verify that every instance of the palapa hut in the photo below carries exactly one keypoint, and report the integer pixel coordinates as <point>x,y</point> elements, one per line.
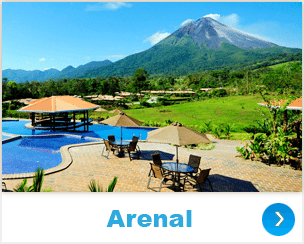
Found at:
<point>57,109</point>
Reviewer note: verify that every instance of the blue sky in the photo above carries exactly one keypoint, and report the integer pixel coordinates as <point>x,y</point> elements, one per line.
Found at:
<point>43,35</point>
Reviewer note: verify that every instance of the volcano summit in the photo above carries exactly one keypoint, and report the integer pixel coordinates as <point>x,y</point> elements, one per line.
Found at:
<point>211,34</point>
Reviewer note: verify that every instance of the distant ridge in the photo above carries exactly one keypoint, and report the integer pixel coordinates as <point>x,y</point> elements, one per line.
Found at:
<point>71,72</point>
<point>20,75</point>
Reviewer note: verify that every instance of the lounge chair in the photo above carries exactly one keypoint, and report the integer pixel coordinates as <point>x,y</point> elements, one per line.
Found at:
<point>200,179</point>
<point>157,172</point>
<point>132,148</point>
<point>108,148</point>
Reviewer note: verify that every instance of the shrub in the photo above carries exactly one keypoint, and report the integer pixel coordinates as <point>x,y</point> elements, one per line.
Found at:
<point>95,187</point>
<point>37,183</point>
<point>206,146</point>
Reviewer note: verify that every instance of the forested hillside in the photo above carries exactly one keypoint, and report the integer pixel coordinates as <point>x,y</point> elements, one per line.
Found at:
<point>182,56</point>
<point>287,76</point>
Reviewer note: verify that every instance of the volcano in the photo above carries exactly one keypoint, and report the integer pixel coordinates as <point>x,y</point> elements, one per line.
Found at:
<point>211,33</point>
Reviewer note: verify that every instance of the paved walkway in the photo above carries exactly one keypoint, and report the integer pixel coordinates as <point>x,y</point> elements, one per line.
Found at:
<point>228,173</point>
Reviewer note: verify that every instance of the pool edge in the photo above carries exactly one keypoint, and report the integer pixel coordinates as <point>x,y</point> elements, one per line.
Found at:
<point>67,160</point>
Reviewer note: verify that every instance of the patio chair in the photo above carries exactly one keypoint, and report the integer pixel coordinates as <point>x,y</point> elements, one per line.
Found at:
<point>108,148</point>
<point>200,179</point>
<point>157,172</point>
<point>194,161</point>
<point>156,160</point>
<point>99,119</point>
<point>4,184</point>
<point>135,138</point>
<point>132,148</point>
<point>111,138</point>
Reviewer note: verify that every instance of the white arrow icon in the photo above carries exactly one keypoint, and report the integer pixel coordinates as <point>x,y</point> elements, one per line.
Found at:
<point>281,219</point>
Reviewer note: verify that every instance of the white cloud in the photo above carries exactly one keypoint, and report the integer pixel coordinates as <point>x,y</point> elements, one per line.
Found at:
<point>41,60</point>
<point>213,16</point>
<point>157,37</point>
<point>107,6</point>
<point>114,56</point>
<point>87,57</point>
<point>186,22</point>
<point>231,20</point>
<point>50,68</point>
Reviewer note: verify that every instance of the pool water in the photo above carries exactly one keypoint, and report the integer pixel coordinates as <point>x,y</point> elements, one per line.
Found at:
<point>27,154</point>
<point>5,137</point>
<point>97,131</point>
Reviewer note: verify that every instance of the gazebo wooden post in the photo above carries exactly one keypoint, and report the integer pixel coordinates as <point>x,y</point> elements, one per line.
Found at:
<point>53,121</point>
<point>33,118</point>
<point>87,120</point>
<point>66,120</point>
<point>84,120</point>
<point>74,119</point>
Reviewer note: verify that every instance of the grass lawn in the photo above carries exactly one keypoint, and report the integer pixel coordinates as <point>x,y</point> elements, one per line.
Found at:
<point>276,66</point>
<point>239,111</point>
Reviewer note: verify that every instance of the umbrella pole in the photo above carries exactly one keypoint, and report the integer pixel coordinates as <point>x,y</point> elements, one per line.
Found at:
<point>177,156</point>
<point>178,174</point>
<point>121,133</point>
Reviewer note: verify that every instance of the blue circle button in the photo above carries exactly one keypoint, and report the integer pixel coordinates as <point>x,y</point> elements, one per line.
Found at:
<point>278,219</point>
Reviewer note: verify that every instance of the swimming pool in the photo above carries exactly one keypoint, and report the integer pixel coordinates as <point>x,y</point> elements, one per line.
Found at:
<point>5,137</point>
<point>97,131</point>
<point>27,154</point>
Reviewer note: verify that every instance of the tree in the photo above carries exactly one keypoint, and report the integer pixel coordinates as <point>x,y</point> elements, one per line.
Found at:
<point>140,80</point>
<point>12,89</point>
<point>113,85</point>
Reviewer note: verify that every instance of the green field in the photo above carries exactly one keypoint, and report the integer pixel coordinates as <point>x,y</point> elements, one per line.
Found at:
<point>239,111</point>
<point>276,66</point>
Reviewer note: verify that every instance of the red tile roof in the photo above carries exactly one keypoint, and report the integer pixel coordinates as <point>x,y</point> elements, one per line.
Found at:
<point>294,105</point>
<point>57,104</point>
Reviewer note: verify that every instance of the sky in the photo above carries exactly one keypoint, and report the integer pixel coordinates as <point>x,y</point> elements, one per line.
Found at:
<point>44,35</point>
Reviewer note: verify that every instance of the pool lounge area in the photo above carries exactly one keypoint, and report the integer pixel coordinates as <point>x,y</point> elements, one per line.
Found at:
<point>83,162</point>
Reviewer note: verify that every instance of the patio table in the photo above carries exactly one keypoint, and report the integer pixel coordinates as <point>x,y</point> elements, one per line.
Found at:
<point>121,144</point>
<point>177,168</point>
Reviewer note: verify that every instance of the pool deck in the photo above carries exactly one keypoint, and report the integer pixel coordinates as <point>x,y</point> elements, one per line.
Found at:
<point>228,172</point>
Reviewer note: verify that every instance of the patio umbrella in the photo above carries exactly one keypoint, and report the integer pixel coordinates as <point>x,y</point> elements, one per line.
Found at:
<point>115,111</point>
<point>122,120</point>
<point>101,110</point>
<point>178,135</point>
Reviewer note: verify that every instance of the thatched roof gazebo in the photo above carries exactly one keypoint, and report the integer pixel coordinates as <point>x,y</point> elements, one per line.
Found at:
<point>57,108</point>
